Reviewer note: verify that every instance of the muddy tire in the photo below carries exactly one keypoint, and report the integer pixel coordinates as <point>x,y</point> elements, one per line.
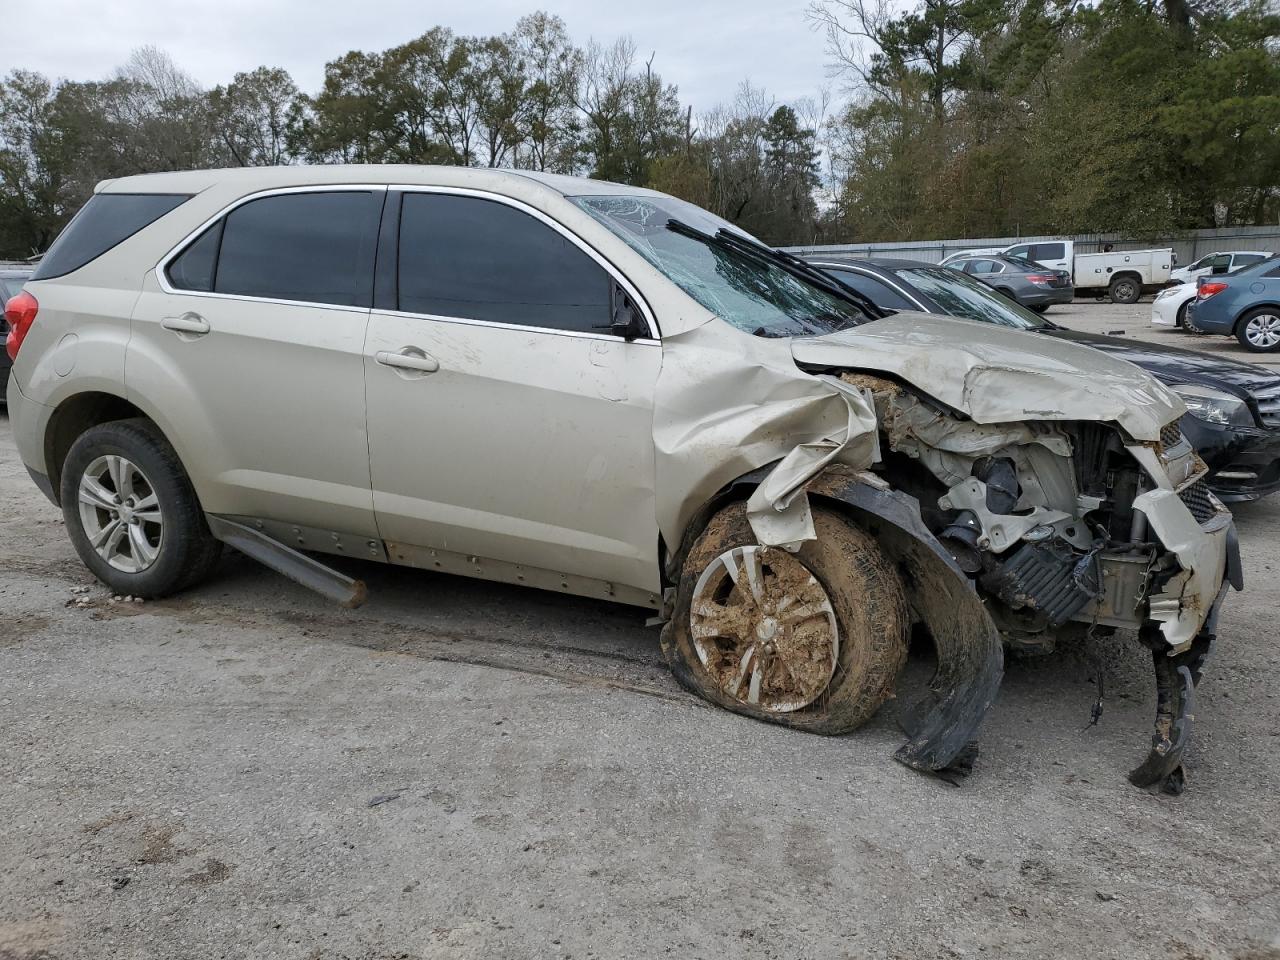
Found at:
<point>1125,289</point>
<point>131,512</point>
<point>813,640</point>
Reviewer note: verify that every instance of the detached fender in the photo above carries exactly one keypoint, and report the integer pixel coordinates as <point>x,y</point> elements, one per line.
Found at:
<point>943,726</point>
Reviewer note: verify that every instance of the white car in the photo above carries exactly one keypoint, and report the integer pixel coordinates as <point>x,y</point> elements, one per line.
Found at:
<point>1218,262</point>
<point>1169,309</point>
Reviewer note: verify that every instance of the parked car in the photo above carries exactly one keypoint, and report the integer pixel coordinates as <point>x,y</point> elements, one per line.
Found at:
<point>1233,408</point>
<point>12,277</point>
<point>1245,304</point>
<point>602,390</point>
<point>1022,281</point>
<point>1122,275</point>
<point>1217,263</point>
<point>1169,308</point>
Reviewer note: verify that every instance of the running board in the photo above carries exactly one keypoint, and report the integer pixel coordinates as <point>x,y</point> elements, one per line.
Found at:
<point>298,567</point>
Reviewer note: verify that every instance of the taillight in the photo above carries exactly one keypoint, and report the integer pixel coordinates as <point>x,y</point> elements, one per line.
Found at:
<point>1042,277</point>
<point>1207,290</point>
<point>20,314</point>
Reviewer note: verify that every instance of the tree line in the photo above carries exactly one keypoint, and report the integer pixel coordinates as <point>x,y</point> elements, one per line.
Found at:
<point>956,118</point>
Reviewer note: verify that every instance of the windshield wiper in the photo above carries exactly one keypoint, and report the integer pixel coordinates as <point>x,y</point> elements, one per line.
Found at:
<point>791,264</point>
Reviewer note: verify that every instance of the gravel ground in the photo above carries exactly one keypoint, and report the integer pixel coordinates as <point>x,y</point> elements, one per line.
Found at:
<point>1134,321</point>
<point>461,769</point>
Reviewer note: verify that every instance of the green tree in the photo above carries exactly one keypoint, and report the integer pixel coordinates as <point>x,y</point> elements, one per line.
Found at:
<point>258,116</point>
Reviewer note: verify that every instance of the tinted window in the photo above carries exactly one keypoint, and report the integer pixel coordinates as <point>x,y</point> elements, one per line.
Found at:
<point>105,221</point>
<point>879,292</point>
<point>313,247</point>
<point>1020,263</point>
<point>483,260</point>
<point>1244,259</point>
<point>193,268</point>
<point>741,288</point>
<point>1048,251</point>
<point>961,296</point>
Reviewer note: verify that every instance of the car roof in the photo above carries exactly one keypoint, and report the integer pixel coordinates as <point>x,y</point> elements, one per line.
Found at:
<point>884,263</point>
<point>253,179</point>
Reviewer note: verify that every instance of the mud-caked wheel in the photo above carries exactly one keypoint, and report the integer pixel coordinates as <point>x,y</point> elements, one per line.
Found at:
<point>813,639</point>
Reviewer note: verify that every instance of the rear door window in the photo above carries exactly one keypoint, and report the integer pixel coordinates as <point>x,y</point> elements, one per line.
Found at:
<point>478,259</point>
<point>312,247</point>
<point>1041,252</point>
<point>107,220</point>
<point>1244,259</point>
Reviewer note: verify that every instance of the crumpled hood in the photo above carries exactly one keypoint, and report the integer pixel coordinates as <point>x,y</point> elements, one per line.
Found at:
<point>997,375</point>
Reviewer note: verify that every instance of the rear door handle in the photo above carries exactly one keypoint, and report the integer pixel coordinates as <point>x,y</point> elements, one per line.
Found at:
<point>408,358</point>
<point>191,323</point>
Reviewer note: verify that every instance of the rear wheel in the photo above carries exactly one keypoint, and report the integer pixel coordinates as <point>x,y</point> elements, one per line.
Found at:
<point>131,512</point>
<point>1259,330</point>
<point>1125,289</point>
<point>814,639</point>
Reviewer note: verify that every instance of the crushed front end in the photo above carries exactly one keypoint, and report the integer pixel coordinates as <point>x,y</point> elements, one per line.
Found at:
<point>1073,528</point>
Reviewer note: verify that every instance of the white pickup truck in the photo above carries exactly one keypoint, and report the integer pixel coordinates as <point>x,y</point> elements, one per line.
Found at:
<point>1123,275</point>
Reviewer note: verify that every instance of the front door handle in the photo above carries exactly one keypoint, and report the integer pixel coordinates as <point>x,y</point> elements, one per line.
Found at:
<point>408,358</point>
<point>191,323</point>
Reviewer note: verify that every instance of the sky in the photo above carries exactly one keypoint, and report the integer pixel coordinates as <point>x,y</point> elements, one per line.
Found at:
<point>705,47</point>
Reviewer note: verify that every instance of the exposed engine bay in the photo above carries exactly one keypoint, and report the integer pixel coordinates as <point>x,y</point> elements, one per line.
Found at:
<point>1061,528</point>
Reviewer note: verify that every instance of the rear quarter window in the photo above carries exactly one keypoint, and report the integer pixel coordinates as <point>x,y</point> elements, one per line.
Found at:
<point>106,221</point>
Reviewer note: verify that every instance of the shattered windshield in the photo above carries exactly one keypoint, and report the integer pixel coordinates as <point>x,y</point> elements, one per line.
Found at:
<point>757,297</point>
<point>962,296</point>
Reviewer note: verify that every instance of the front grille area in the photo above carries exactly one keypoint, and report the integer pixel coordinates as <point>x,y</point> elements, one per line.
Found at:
<point>1170,435</point>
<point>1198,501</point>
<point>1269,406</point>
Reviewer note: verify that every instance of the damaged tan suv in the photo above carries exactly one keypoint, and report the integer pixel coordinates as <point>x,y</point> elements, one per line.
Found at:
<point>605,391</point>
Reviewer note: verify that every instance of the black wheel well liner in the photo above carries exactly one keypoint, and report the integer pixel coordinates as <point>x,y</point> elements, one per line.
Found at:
<point>970,653</point>
<point>73,417</point>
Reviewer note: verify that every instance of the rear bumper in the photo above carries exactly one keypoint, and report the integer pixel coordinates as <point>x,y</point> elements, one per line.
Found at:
<point>1201,321</point>
<point>28,420</point>
<point>1047,296</point>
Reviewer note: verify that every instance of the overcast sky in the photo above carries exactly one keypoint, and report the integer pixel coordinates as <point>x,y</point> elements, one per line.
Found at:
<point>706,47</point>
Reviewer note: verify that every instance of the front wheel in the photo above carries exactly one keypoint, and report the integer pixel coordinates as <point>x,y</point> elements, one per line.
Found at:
<point>814,639</point>
<point>1259,330</point>
<point>131,512</point>
<point>1125,290</point>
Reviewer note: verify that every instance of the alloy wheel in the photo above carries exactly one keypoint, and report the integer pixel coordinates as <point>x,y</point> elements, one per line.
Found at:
<point>1263,330</point>
<point>764,629</point>
<point>120,513</point>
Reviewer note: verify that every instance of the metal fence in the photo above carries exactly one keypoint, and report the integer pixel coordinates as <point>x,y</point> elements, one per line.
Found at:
<point>1189,245</point>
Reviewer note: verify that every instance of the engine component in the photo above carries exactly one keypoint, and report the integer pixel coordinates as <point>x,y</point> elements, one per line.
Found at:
<point>1048,577</point>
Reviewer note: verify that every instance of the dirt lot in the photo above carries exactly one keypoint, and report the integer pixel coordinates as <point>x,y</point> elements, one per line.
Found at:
<point>467,770</point>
